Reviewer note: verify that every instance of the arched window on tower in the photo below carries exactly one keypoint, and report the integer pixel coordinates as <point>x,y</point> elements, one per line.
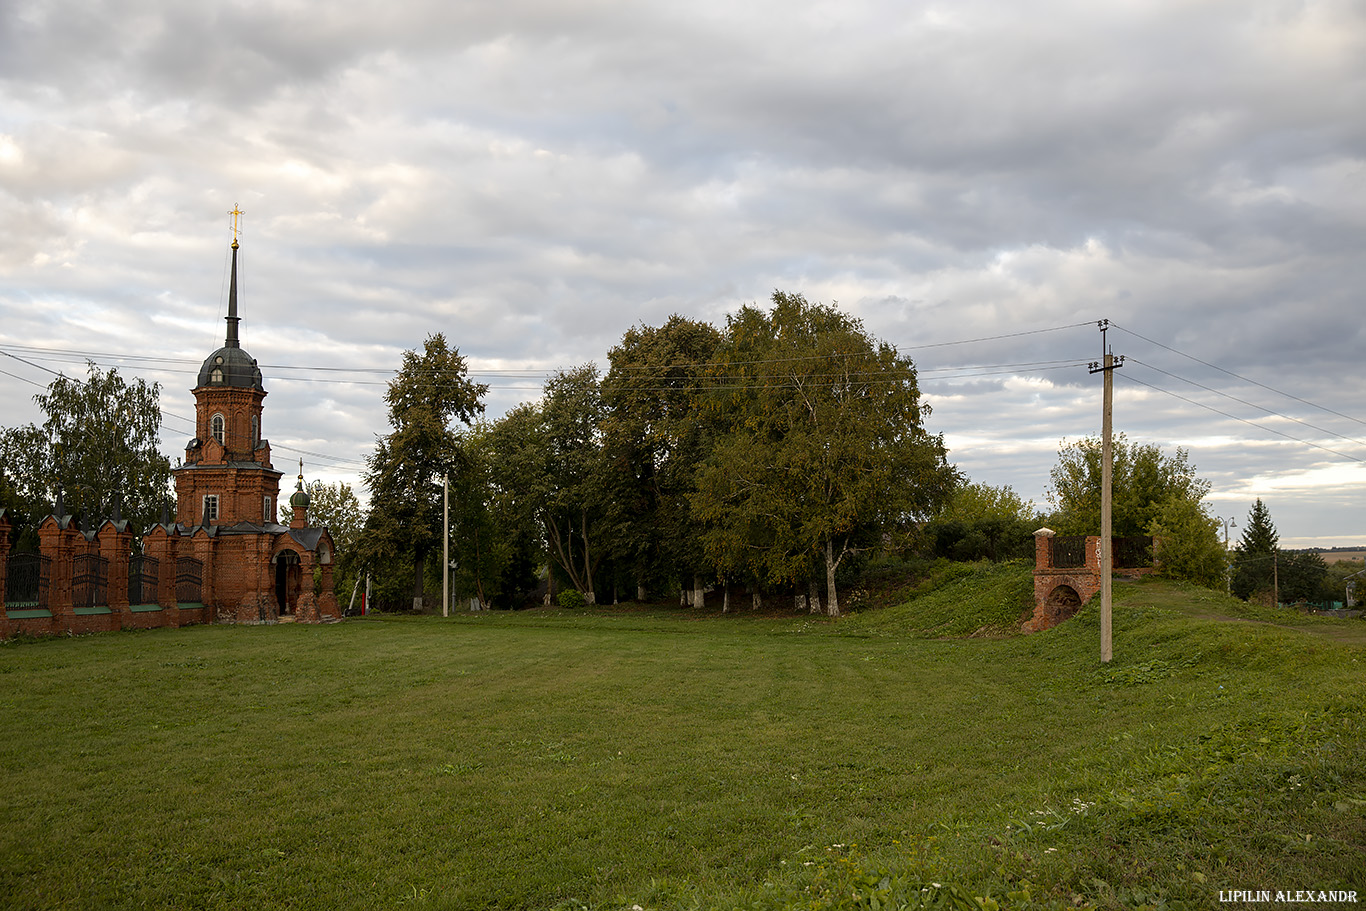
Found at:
<point>255,430</point>
<point>216,426</point>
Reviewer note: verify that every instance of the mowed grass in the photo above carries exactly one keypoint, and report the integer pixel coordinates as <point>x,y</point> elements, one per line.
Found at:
<point>669,759</point>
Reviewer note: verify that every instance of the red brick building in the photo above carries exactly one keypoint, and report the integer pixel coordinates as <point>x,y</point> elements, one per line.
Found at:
<point>224,558</point>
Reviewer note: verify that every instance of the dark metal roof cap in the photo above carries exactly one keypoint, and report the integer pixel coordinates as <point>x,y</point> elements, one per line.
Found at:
<point>230,367</point>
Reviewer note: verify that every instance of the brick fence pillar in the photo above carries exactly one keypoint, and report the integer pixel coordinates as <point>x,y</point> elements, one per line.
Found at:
<point>116,546</point>
<point>57,540</point>
<point>328,609</point>
<point>162,543</point>
<point>5,528</point>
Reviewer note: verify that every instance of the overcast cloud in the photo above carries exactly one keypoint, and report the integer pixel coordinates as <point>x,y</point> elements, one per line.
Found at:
<point>533,178</point>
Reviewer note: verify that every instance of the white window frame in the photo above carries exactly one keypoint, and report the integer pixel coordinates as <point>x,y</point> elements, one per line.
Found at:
<point>219,432</point>
<point>267,513</point>
<point>210,509</point>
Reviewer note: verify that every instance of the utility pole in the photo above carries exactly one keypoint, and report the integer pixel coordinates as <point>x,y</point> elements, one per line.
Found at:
<point>1107,367</point>
<point>1228,564</point>
<point>1276,577</point>
<point>445,545</point>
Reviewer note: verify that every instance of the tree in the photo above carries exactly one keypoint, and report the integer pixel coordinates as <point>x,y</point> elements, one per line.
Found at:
<point>1304,577</point>
<point>99,445</point>
<point>1154,494</point>
<point>653,445</point>
<point>576,509</point>
<point>404,473</point>
<point>1143,480</point>
<point>334,506</point>
<point>820,447</point>
<point>984,522</point>
<point>1254,560</point>
<point>1190,548</point>
<point>492,561</point>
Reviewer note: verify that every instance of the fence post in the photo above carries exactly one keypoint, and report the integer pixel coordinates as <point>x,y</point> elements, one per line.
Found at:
<point>116,546</point>
<point>57,542</point>
<point>161,542</point>
<point>5,527</point>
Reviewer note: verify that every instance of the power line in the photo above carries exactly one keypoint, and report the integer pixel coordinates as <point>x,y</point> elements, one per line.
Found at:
<point>1238,376</point>
<point>1331,433</point>
<point>1234,417</point>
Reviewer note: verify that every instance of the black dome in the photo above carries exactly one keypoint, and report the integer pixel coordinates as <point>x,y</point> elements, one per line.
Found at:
<point>230,367</point>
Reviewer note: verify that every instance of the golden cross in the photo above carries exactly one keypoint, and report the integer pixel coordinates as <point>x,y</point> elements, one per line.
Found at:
<point>236,213</point>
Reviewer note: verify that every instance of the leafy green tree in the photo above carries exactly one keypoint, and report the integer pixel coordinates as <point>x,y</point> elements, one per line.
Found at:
<point>653,445</point>
<point>1304,577</point>
<point>819,444</point>
<point>334,506</point>
<point>431,392</point>
<point>984,522</point>
<point>1189,545</point>
<point>495,557</point>
<point>1255,558</point>
<point>519,470</point>
<point>1143,479</point>
<point>99,444</point>
<point>576,514</point>
<point>1154,494</point>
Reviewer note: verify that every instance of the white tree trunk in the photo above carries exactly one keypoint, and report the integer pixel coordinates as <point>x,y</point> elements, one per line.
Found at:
<point>757,600</point>
<point>833,608</point>
<point>725,599</point>
<point>814,602</point>
<point>799,603</point>
<point>640,592</point>
<point>699,595</point>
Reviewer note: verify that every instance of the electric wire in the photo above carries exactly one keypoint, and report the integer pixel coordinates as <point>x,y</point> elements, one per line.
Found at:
<point>1237,375</point>
<point>1234,417</point>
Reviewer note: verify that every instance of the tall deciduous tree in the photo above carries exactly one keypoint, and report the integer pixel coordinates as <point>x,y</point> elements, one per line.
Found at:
<point>984,522</point>
<point>821,445</point>
<point>1154,494</point>
<point>99,443</point>
<point>653,444</point>
<point>431,391</point>
<point>1144,480</point>
<point>576,513</point>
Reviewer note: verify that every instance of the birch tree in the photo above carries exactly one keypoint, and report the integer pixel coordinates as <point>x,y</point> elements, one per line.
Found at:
<point>821,447</point>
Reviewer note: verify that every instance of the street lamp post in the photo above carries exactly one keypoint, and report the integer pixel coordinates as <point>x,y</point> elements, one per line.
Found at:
<point>1228,564</point>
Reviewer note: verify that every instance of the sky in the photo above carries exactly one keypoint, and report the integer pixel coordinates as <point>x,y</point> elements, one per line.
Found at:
<point>980,182</point>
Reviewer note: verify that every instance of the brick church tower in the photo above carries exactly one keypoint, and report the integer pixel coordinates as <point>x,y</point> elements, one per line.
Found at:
<point>227,477</point>
<point>255,570</point>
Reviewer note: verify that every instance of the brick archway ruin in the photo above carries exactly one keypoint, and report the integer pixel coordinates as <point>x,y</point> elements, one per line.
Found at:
<point>1067,573</point>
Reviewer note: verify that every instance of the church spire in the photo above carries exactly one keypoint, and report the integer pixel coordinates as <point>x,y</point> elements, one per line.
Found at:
<point>232,341</point>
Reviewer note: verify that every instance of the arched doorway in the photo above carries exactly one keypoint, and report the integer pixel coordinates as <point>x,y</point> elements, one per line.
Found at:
<point>1063,602</point>
<point>288,581</point>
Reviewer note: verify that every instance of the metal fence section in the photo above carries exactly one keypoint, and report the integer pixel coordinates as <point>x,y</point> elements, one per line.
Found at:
<point>26,582</point>
<point>1068,551</point>
<point>143,572</point>
<point>1132,552</point>
<point>189,580</point>
<point>89,581</point>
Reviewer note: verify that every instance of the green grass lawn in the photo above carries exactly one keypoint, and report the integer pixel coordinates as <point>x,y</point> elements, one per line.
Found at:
<point>669,759</point>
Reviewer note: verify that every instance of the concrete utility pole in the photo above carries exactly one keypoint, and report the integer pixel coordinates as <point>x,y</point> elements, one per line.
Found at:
<point>1107,367</point>
<point>1228,564</point>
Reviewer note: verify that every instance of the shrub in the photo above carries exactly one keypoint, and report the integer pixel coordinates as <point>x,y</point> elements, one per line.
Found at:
<point>569,599</point>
